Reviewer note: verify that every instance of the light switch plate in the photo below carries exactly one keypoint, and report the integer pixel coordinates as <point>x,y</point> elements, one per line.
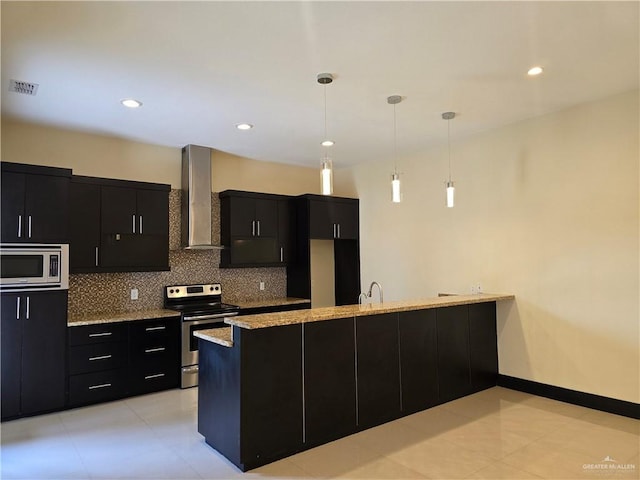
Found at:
<point>134,294</point>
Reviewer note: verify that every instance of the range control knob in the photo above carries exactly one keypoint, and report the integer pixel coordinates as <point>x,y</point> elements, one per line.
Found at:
<point>171,291</point>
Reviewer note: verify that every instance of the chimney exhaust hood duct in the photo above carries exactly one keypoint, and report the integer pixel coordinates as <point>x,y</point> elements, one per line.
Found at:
<point>196,198</point>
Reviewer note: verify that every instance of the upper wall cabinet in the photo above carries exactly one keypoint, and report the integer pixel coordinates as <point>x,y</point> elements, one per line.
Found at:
<point>118,226</point>
<point>35,204</point>
<point>333,218</point>
<point>255,229</point>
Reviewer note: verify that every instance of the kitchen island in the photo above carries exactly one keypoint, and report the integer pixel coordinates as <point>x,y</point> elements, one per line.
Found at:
<point>274,384</point>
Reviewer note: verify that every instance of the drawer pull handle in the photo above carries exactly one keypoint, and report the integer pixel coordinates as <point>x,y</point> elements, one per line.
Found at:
<point>153,329</point>
<point>153,350</point>
<point>101,357</point>
<point>103,385</point>
<point>157,375</point>
<point>103,334</point>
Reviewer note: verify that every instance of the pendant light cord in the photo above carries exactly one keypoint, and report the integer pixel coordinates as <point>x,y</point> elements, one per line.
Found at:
<point>449,145</point>
<point>325,111</point>
<point>395,141</point>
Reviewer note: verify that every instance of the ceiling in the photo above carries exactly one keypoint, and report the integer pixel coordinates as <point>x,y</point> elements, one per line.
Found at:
<point>200,68</point>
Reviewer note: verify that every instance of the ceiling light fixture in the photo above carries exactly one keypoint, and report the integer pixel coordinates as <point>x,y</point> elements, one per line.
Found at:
<point>448,116</point>
<point>326,165</point>
<point>396,195</point>
<point>131,103</point>
<point>244,126</point>
<point>533,71</point>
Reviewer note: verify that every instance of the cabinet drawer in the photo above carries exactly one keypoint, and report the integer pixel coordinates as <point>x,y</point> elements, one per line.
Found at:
<point>158,354</point>
<point>104,332</point>
<point>97,357</point>
<point>151,378</point>
<point>150,332</point>
<point>97,387</point>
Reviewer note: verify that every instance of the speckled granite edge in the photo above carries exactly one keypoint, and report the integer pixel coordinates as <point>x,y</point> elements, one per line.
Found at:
<point>83,320</point>
<point>221,336</point>
<point>272,302</point>
<point>266,320</point>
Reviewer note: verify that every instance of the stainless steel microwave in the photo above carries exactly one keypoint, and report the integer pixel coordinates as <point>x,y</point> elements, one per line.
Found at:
<point>34,267</point>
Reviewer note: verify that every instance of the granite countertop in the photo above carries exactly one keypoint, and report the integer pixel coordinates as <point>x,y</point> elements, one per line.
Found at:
<point>272,302</point>
<point>221,336</point>
<point>83,320</point>
<point>266,320</point>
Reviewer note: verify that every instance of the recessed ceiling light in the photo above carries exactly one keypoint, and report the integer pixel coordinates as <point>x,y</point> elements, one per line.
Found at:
<point>244,126</point>
<point>533,71</point>
<point>328,143</point>
<point>131,103</point>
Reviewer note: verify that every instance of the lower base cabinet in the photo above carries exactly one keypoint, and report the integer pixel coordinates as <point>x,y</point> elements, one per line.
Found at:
<point>280,390</point>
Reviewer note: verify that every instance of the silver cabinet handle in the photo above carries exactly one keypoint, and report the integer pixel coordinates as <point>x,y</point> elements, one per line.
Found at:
<point>133,219</point>
<point>102,385</point>
<point>101,357</point>
<point>334,230</point>
<point>157,375</point>
<point>97,256</point>
<point>140,231</point>
<point>153,329</point>
<point>338,230</point>
<point>17,308</point>
<point>258,227</point>
<point>253,228</point>
<point>19,226</point>
<point>153,350</point>
<point>27,315</point>
<point>29,217</point>
<point>102,334</point>
<point>281,254</point>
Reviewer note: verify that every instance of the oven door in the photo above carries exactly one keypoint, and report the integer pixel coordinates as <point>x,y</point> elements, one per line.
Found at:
<point>191,324</point>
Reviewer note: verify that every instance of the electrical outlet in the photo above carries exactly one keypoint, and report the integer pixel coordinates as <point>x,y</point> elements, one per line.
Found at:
<point>476,289</point>
<point>134,294</point>
<point>261,285</point>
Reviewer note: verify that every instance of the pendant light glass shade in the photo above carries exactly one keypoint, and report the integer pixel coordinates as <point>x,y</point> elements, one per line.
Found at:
<point>326,177</point>
<point>395,188</point>
<point>450,193</point>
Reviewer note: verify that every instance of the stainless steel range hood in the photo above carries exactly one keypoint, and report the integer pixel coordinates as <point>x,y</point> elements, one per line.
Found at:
<point>196,198</point>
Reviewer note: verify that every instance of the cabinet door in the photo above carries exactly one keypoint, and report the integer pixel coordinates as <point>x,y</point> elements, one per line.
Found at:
<point>47,208</point>
<point>44,351</point>
<point>285,231</point>
<point>12,214</point>
<point>330,381</point>
<point>321,224</point>
<point>418,360</point>
<point>267,217</point>
<point>453,352</point>
<point>483,344</point>
<point>346,217</point>
<point>84,226</point>
<point>10,355</point>
<point>242,212</point>
<point>118,211</point>
<point>153,214</point>
<point>378,369</point>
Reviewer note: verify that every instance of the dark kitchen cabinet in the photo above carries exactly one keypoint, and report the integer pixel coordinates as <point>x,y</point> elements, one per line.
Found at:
<point>418,360</point>
<point>118,226</point>
<point>35,204</point>
<point>333,218</point>
<point>378,369</point>
<point>33,352</point>
<point>454,376</point>
<point>483,345</point>
<point>255,229</point>
<point>330,393</point>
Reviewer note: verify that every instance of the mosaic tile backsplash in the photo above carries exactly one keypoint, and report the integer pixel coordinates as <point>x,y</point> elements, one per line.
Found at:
<point>96,293</point>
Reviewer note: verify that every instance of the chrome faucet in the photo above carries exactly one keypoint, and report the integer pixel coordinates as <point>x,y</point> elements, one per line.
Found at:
<point>371,290</point>
<point>360,298</point>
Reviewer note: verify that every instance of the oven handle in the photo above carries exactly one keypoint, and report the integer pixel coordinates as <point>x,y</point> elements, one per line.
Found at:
<point>191,318</point>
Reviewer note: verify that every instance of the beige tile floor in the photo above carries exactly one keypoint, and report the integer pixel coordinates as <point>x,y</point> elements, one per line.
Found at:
<point>495,434</point>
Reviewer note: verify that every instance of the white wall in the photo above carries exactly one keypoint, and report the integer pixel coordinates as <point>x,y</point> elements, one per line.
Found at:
<point>546,209</point>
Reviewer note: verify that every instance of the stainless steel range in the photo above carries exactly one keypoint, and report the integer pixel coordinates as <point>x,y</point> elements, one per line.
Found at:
<point>201,308</point>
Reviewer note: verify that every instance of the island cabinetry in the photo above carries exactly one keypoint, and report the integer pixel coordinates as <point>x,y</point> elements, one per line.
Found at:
<point>454,377</point>
<point>418,360</point>
<point>33,352</point>
<point>255,228</point>
<point>35,204</point>
<point>330,392</point>
<point>483,346</point>
<point>154,355</point>
<point>118,225</point>
<point>378,369</point>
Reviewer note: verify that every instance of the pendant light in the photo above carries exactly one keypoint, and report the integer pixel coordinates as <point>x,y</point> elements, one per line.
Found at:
<point>448,116</point>
<point>396,194</point>
<point>326,165</point>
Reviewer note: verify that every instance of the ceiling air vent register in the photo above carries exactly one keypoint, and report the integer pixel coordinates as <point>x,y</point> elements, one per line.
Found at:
<point>26,88</point>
